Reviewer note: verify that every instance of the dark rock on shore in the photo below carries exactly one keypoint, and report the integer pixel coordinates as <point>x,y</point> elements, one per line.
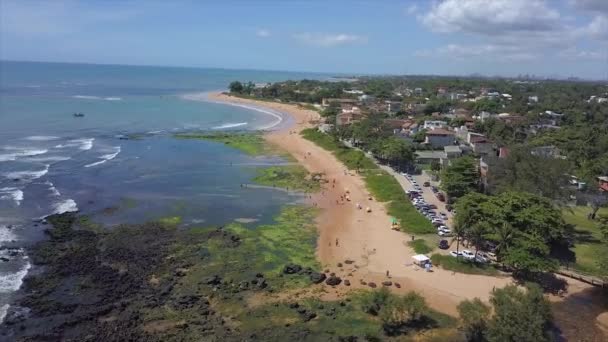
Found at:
<point>317,278</point>
<point>333,281</point>
<point>347,282</point>
<point>292,269</point>
<point>387,283</point>
<point>372,285</point>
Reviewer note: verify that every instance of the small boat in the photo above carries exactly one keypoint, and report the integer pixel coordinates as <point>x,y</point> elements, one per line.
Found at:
<point>78,115</point>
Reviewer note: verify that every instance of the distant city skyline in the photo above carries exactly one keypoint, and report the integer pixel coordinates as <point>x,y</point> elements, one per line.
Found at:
<point>561,38</point>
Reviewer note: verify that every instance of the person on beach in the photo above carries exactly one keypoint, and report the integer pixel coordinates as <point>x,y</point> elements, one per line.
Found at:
<point>336,241</point>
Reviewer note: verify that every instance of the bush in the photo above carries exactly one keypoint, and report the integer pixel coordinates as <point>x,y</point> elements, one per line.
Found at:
<point>403,312</point>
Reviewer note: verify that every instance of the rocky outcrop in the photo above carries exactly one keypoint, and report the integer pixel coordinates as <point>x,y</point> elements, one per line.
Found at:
<point>317,277</point>
<point>333,281</point>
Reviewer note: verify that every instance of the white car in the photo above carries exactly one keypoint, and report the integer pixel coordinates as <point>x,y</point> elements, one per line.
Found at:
<point>444,233</point>
<point>443,216</point>
<point>468,254</point>
<point>456,254</point>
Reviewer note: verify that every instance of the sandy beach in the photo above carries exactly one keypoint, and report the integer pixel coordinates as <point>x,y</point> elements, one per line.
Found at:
<point>347,233</point>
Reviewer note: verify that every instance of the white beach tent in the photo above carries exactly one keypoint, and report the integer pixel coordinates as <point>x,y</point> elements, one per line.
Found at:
<point>421,260</point>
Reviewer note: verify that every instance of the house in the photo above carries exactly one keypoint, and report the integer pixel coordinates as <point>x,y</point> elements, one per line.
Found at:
<point>439,138</point>
<point>533,99</point>
<point>511,119</point>
<point>461,113</point>
<point>549,151</point>
<point>366,98</point>
<point>327,102</point>
<point>353,91</point>
<point>393,106</point>
<point>603,183</point>
<point>418,91</point>
<point>462,133</point>
<point>410,128</point>
<point>481,145</point>
<point>493,95</point>
<point>507,97</point>
<point>433,124</point>
<point>427,157</point>
<point>441,91</point>
<point>452,151</point>
<point>396,124</point>
<point>348,108</point>
<point>343,119</point>
<point>456,96</point>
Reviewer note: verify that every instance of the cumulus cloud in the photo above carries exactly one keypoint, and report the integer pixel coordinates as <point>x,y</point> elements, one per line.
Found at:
<point>576,54</point>
<point>412,9</point>
<point>328,39</point>
<point>263,33</point>
<point>491,17</point>
<point>516,30</point>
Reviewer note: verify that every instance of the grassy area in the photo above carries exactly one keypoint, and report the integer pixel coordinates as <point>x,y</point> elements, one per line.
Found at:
<point>383,186</point>
<point>461,265</point>
<point>293,177</point>
<point>420,246</point>
<point>588,243</point>
<point>250,143</point>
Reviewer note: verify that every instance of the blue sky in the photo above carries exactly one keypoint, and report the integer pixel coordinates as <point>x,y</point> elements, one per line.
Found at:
<point>492,37</point>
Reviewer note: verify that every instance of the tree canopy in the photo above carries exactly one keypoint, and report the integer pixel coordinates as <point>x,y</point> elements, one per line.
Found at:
<point>524,227</point>
<point>460,177</point>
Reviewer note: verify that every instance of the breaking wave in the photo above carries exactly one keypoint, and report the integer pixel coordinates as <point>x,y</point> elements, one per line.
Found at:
<point>106,157</point>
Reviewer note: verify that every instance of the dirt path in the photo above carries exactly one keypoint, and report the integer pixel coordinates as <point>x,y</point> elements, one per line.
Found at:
<point>347,233</point>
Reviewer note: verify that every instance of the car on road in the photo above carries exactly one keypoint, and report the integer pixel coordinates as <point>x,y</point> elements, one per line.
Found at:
<point>444,232</point>
<point>426,184</point>
<point>456,254</point>
<point>443,216</point>
<point>443,244</point>
<point>440,196</point>
<point>481,259</point>
<point>468,254</point>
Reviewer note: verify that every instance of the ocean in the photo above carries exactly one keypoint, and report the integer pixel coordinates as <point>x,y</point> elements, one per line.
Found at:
<point>119,162</point>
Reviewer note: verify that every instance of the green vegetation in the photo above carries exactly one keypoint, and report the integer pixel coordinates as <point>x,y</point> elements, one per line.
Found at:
<point>380,184</point>
<point>170,221</point>
<point>517,315</point>
<point>250,143</point>
<point>462,265</point>
<point>524,227</point>
<point>420,246</point>
<point>588,237</point>
<point>293,177</point>
<point>460,177</point>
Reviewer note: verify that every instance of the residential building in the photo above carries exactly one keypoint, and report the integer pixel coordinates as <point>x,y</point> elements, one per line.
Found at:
<point>348,108</point>
<point>393,107</point>
<point>353,91</point>
<point>439,138</point>
<point>327,102</point>
<point>481,145</point>
<point>433,124</point>
<point>366,98</point>
<point>549,151</point>
<point>418,91</point>
<point>348,118</point>
<point>396,124</point>
<point>427,157</point>
<point>533,99</point>
<point>452,151</point>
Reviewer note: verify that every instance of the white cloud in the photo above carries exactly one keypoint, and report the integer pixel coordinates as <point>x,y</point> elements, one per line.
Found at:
<point>263,33</point>
<point>328,40</point>
<point>412,9</point>
<point>598,28</point>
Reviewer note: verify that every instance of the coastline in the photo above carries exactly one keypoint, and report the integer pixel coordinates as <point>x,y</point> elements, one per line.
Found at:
<point>346,233</point>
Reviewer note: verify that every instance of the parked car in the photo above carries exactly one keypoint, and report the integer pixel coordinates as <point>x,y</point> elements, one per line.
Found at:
<point>440,196</point>
<point>456,254</point>
<point>443,216</point>
<point>444,233</point>
<point>432,206</point>
<point>443,244</point>
<point>426,184</point>
<point>434,189</point>
<point>468,254</point>
<point>481,259</point>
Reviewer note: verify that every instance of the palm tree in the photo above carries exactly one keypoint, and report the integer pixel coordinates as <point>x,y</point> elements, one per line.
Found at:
<point>477,235</point>
<point>459,233</point>
<point>505,234</point>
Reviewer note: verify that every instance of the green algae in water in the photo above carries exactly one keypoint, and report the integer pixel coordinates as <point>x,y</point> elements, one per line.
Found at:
<point>249,143</point>
<point>293,177</point>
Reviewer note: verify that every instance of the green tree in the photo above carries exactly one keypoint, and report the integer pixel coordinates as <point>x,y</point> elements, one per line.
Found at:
<point>460,177</point>
<point>519,315</point>
<point>403,312</point>
<point>395,151</point>
<point>374,301</point>
<point>474,315</point>
<point>435,165</point>
<point>236,87</point>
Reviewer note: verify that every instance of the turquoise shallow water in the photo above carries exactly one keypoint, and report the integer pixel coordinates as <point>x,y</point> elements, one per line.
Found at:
<point>51,161</point>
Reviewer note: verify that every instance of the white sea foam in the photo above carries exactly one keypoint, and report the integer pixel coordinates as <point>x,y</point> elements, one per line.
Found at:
<point>14,194</point>
<point>29,175</point>
<point>41,138</point>
<point>68,205</point>
<point>205,98</point>
<point>86,97</point>
<point>3,311</point>
<point>6,235</point>
<point>112,98</point>
<point>53,189</point>
<point>12,282</point>
<point>155,132</point>
<point>84,144</point>
<point>20,152</point>
<point>106,157</point>
<point>230,125</point>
